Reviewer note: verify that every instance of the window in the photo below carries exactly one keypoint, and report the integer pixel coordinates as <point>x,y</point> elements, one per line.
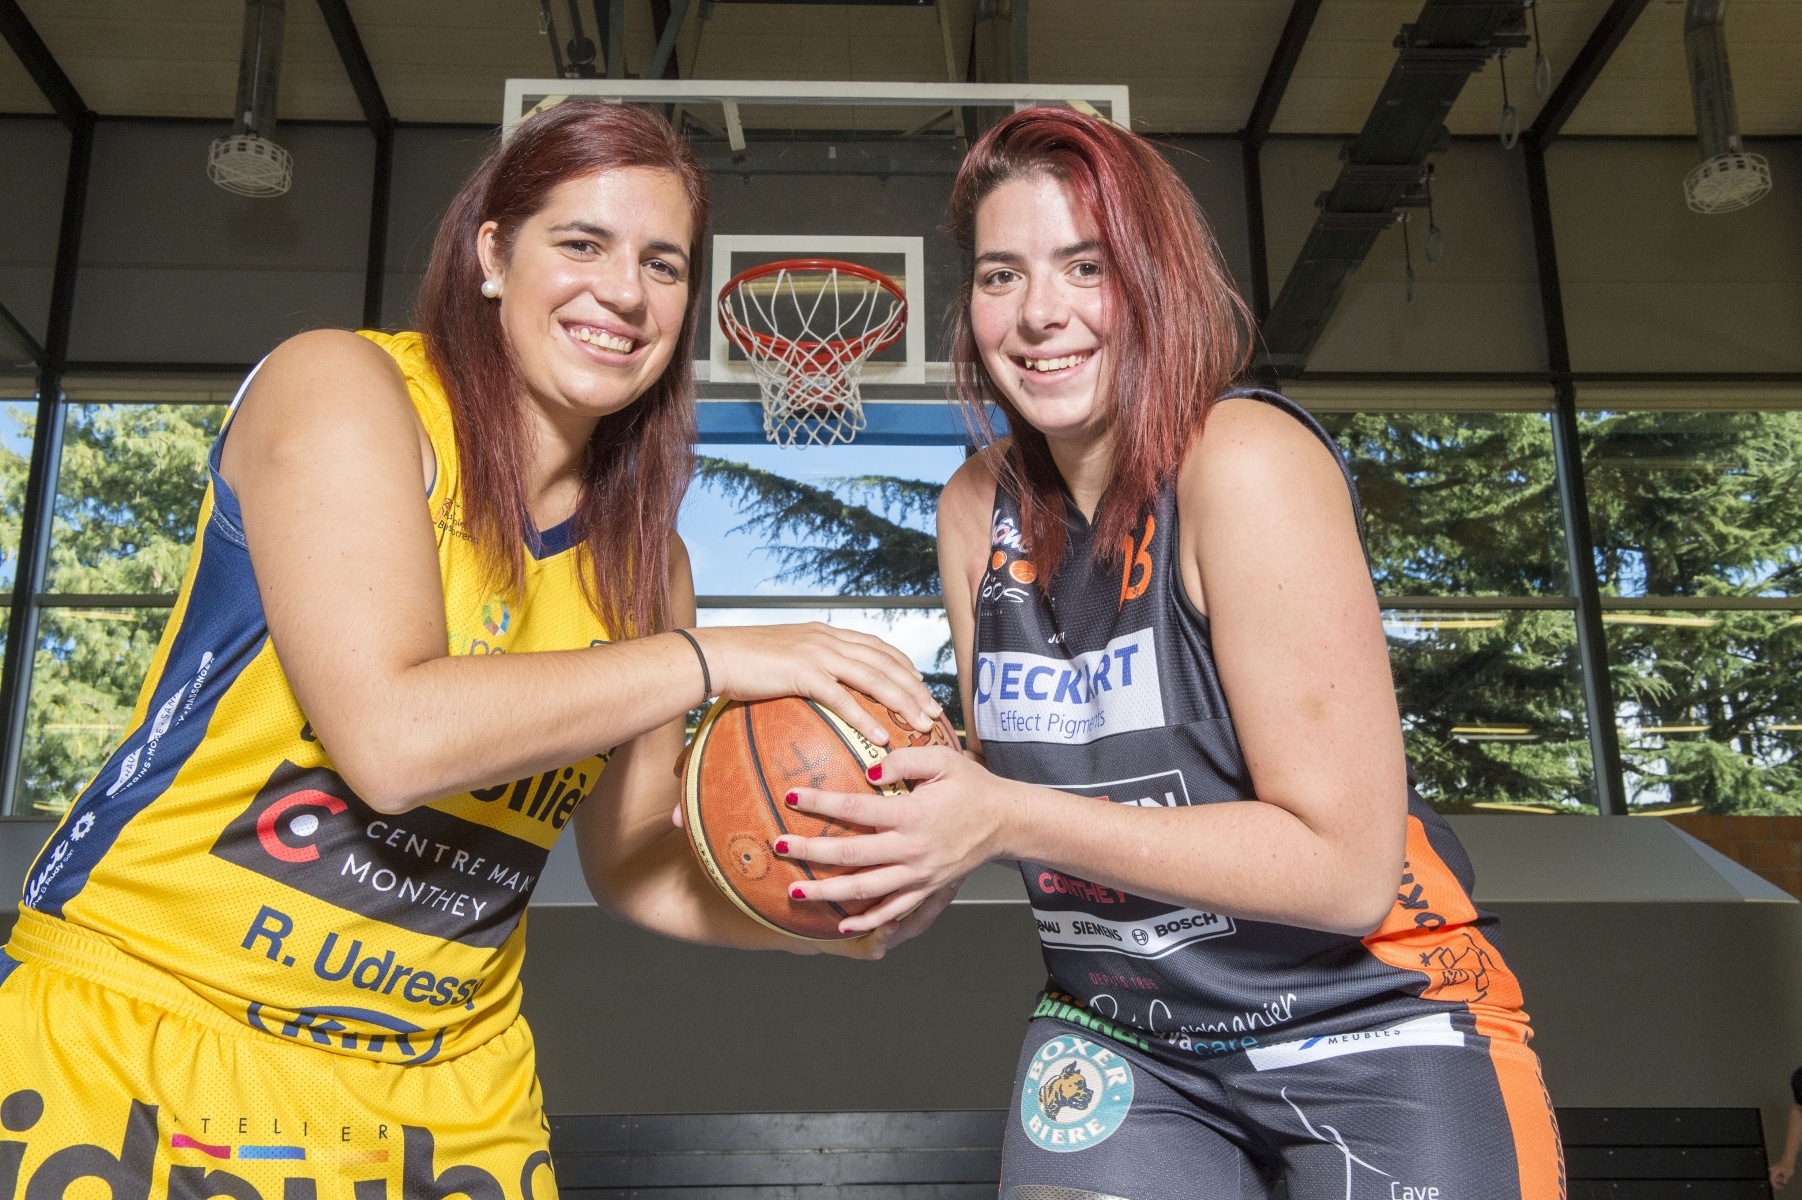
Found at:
<point>1697,520</point>
<point>1467,549</point>
<point>840,534</point>
<point>129,487</point>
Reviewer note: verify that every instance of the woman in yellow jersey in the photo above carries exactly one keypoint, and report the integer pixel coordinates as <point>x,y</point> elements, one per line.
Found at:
<point>273,949</point>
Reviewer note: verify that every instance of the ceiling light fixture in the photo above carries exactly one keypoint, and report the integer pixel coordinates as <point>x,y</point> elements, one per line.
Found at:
<point>247,162</point>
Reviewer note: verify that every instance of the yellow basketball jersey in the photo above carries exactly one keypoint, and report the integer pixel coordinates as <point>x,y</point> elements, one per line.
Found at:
<point>218,843</point>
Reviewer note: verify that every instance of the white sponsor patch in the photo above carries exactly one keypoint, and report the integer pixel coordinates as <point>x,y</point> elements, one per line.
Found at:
<point>1152,937</point>
<point>1434,1030</point>
<point>1032,698</point>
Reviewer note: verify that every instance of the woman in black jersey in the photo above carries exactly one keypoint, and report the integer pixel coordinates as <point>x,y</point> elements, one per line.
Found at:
<point>1263,954</point>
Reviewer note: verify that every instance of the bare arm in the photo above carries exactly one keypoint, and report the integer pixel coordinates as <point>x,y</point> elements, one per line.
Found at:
<point>325,457</point>
<point>1298,639</point>
<point>638,862</point>
<point>1785,1167</point>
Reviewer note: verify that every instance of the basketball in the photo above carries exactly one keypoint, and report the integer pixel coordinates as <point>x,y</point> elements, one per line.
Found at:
<point>744,758</point>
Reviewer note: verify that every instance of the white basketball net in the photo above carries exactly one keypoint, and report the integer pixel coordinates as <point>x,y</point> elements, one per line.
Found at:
<point>250,166</point>
<point>808,330</point>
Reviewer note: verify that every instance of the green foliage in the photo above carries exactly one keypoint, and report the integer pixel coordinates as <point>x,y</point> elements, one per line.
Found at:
<point>1466,504</point>
<point>128,496</point>
<point>1705,505</point>
<point>849,548</point>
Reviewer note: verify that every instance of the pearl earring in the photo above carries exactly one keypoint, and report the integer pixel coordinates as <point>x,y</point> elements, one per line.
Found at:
<point>491,288</point>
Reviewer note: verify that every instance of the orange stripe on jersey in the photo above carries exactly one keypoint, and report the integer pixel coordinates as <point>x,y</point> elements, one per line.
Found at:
<point>1538,1151</point>
<point>1432,930</point>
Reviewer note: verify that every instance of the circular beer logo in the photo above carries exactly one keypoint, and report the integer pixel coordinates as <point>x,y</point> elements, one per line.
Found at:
<point>1075,1094</point>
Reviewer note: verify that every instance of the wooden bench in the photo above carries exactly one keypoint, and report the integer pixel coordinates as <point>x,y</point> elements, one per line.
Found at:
<point>1612,1153</point>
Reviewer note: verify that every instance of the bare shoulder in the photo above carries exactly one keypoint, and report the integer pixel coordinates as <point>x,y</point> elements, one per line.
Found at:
<point>322,389</point>
<point>329,363</point>
<point>968,500</point>
<point>1252,451</point>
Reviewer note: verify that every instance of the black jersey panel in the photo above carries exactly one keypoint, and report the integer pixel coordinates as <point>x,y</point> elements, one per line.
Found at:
<point>1104,685</point>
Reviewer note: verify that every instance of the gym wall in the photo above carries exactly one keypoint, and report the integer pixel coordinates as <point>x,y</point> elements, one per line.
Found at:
<point>175,270</point>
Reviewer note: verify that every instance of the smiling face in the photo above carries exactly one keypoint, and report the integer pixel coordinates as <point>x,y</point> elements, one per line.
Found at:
<point>594,290</point>
<point>1037,305</point>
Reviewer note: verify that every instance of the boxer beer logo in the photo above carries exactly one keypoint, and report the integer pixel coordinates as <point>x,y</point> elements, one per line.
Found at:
<point>1075,1094</point>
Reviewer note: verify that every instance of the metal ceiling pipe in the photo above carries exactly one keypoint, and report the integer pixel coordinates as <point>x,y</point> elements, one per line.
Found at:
<point>260,67</point>
<point>249,162</point>
<point>1727,178</point>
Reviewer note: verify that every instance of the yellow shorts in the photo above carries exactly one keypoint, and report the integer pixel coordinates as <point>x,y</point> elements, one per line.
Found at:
<point>111,1070</point>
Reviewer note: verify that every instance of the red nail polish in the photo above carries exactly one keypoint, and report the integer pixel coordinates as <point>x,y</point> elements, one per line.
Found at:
<point>791,799</point>
<point>781,845</point>
<point>795,893</point>
<point>875,773</point>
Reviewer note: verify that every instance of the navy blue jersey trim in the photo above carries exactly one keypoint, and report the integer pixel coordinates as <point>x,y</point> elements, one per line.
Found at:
<point>8,964</point>
<point>551,542</point>
<point>222,629</point>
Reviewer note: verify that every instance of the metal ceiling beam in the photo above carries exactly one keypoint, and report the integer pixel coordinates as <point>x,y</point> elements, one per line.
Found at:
<point>1449,42</point>
<point>1282,66</point>
<point>1251,143</point>
<point>41,65</point>
<point>381,124</point>
<point>1609,32</point>
<point>356,63</point>
<point>15,329</point>
<point>665,64</point>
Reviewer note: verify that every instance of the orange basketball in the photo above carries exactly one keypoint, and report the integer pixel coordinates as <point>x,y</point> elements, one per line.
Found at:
<point>744,759</point>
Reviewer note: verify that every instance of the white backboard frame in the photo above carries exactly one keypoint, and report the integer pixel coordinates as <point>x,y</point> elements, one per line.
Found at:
<point>1106,100</point>
<point>721,368</point>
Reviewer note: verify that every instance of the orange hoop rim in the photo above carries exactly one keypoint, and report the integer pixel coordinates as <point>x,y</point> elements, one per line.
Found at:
<point>771,345</point>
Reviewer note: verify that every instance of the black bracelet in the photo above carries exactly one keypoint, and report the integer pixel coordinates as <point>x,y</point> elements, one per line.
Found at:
<point>706,675</point>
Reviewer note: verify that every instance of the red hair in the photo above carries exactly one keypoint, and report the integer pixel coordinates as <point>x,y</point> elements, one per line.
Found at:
<point>641,458</point>
<point>1177,332</point>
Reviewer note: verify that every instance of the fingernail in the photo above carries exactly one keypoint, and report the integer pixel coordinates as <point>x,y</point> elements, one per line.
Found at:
<point>875,773</point>
<point>781,845</point>
<point>791,799</point>
<point>938,710</point>
<point>795,893</point>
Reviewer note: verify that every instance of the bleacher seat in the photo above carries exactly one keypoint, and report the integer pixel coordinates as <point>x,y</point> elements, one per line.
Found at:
<point>1609,1154</point>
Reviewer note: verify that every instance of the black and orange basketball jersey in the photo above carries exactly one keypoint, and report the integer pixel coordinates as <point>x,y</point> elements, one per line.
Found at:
<point>1108,688</point>
<point>218,843</point>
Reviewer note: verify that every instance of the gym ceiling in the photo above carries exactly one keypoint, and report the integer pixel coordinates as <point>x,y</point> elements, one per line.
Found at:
<point>1194,66</point>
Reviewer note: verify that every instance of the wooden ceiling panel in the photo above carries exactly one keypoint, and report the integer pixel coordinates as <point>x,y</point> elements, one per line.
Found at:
<point>450,61</point>
<point>1645,87</point>
<point>1193,68</point>
<point>179,58</point>
<point>1193,65</point>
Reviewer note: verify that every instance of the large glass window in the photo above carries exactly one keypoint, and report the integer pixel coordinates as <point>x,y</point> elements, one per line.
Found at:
<point>129,487</point>
<point>1697,519</point>
<point>841,534</point>
<point>1467,548</point>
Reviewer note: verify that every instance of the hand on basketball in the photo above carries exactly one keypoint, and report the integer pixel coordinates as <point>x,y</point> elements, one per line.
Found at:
<point>879,941</point>
<point>926,840</point>
<point>819,661</point>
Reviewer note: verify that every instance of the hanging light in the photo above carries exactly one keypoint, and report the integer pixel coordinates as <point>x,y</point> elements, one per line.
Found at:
<point>1727,178</point>
<point>248,162</point>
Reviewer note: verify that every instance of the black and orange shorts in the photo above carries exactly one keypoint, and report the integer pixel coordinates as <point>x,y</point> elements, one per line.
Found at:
<point>1446,1106</point>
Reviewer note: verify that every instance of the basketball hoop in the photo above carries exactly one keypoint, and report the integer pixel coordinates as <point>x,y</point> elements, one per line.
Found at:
<point>808,325</point>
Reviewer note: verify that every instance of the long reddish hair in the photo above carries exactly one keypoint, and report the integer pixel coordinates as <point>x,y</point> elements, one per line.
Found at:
<point>641,458</point>
<point>1177,333</point>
